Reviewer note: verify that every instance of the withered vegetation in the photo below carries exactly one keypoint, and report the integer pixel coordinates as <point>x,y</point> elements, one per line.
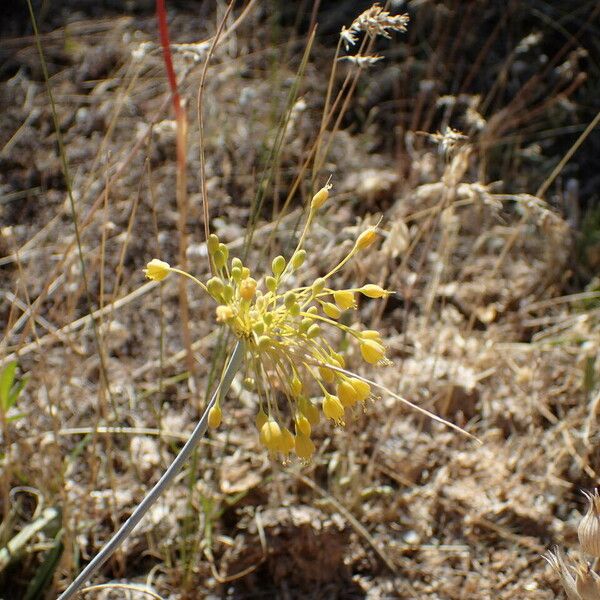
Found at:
<point>450,134</point>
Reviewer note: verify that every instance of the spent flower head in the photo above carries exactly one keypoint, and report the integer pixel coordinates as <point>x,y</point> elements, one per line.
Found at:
<point>374,21</point>
<point>290,362</point>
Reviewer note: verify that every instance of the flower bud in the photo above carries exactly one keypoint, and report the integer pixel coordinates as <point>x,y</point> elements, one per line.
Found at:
<point>344,299</point>
<point>219,258</point>
<point>214,416</point>
<point>298,259</point>
<point>224,250</point>
<point>270,435</point>
<point>271,283</point>
<point>215,287</point>
<point>289,299</point>
<point>372,351</point>
<point>371,334</point>
<point>373,291</point>
<point>327,374</point>
<point>304,446</point>
<point>331,310</point>
<point>227,293</point>
<point>157,270</point>
<point>346,393</point>
<point>212,243</point>
<point>589,527</point>
<point>236,274</point>
<point>261,419</point>
<point>313,331</point>
<point>366,238</point>
<point>363,389</point>
<point>318,286</point>
<point>236,263</point>
<point>287,442</point>
<point>296,386</point>
<point>333,409</point>
<point>302,425</point>
<point>320,197</point>
<point>278,265</point>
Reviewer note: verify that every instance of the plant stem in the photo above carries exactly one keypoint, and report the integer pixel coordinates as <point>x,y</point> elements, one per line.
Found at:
<point>162,484</point>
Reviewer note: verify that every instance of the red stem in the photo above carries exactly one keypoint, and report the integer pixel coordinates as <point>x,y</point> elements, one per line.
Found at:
<point>163,30</point>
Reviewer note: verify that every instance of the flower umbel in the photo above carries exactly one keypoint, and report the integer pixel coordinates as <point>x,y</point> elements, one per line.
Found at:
<point>288,357</point>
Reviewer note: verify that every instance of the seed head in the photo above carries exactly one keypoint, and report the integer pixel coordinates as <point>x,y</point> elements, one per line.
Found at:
<point>589,527</point>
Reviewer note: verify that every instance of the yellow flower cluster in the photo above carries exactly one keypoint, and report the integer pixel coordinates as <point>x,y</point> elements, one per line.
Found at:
<point>288,357</point>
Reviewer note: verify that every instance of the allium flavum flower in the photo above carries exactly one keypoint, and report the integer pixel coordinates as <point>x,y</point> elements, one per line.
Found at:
<point>282,329</point>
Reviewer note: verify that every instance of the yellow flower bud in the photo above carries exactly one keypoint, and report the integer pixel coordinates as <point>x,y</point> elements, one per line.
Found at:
<point>224,250</point>
<point>212,243</point>
<point>327,374</point>
<point>287,442</point>
<point>214,416</point>
<point>270,435</point>
<point>236,274</point>
<point>304,446</point>
<point>289,300</point>
<point>215,287</point>
<point>157,270</point>
<point>318,285</point>
<point>366,238</point>
<point>372,351</point>
<point>278,265</point>
<point>344,299</point>
<point>271,283</point>
<point>227,293</point>
<point>320,197</point>
<point>302,425</point>
<point>298,259</point>
<point>371,334</point>
<point>331,310</point>
<point>363,389</point>
<point>224,313</point>
<point>248,288</point>
<point>346,393</point>
<point>219,259</point>
<point>296,386</point>
<point>310,411</point>
<point>261,419</point>
<point>373,291</point>
<point>333,409</point>
<point>236,263</point>
<point>313,331</point>
<point>338,359</point>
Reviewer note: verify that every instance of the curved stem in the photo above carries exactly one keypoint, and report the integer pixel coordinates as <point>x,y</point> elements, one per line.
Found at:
<point>162,484</point>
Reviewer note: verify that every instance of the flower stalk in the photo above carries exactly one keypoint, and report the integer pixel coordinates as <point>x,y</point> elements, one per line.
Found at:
<point>163,483</point>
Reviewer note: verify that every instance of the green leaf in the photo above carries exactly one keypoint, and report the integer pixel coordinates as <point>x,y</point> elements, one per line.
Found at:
<point>7,377</point>
<point>16,417</point>
<point>15,392</point>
